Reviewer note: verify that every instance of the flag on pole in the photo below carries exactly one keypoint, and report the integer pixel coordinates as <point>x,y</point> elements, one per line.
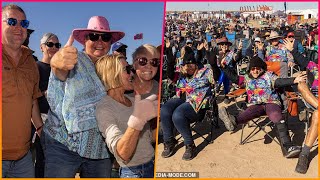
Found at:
<point>138,36</point>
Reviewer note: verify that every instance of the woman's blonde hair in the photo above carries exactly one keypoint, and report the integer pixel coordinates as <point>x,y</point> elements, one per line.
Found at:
<point>109,70</point>
<point>145,49</point>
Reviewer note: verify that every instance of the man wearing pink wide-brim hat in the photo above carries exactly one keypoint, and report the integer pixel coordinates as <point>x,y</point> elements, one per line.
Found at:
<point>71,132</point>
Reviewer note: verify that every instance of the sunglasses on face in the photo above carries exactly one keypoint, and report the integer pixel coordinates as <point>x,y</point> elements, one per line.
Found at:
<point>255,68</point>
<point>224,44</point>
<point>290,36</point>
<point>51,44</point>
<point>155,62</point>
<point>106,37</point>
<point>128,69</point>
<point>13,22</point>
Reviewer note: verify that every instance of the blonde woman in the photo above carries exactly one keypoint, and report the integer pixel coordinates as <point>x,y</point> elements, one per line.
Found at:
<point>122,119</point>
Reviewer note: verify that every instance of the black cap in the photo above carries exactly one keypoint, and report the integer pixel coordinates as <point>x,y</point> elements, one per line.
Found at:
<point>189,58</point>
<point>257,62</point>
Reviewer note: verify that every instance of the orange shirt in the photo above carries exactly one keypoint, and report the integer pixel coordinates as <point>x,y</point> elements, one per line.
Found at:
<point>20,86</point>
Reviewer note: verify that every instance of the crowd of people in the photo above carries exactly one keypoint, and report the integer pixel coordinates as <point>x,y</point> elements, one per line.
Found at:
<point>205,53</point>
<point>91,110</point>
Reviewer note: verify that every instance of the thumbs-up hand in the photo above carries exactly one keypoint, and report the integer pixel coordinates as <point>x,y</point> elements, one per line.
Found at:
<point>143,111</point>
<point>66,58</point>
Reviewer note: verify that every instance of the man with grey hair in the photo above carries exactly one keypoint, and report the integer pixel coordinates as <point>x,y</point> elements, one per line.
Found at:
<point>20,90</point>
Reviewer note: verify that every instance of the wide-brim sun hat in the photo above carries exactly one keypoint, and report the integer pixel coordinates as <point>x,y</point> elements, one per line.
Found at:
<point>223,40</point>
<point>96,24</point>
<point>274,35</point>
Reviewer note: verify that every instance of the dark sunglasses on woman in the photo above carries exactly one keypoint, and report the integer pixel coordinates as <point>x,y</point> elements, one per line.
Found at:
<point>13,22</point>
<point>155,62</point>
<point>105,37</point>
<point>51,44</point>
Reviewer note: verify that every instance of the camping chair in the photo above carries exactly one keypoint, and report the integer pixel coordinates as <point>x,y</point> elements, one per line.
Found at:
<point>209,115</point>
<point>261,122</point>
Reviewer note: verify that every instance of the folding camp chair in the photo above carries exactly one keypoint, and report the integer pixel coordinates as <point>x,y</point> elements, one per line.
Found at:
<point>261,122</point>
<point>209,115</point>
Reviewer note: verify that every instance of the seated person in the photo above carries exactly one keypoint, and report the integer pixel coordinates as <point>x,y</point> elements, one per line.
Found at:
<point>256,49</point>
<point>263,100</point>
<point>312,134</point>
<point>191,98</point>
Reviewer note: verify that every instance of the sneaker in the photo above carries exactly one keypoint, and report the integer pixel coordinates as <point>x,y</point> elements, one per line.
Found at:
<point>303,164</point>
<point>168,148</point>
<point>189,153</point>
<point>291,151</point>
<point>228,120</point>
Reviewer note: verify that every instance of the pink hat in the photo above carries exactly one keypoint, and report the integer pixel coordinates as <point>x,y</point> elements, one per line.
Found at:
<point>97,24</point>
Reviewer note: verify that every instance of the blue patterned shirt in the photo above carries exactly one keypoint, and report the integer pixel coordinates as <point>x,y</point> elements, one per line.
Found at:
<point>72,120</point>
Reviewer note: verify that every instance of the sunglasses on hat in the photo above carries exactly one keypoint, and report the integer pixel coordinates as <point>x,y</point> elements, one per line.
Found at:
<point>13,22</point>
<point>51,44</point>
<point>155,62</point>
<point>105,37</point>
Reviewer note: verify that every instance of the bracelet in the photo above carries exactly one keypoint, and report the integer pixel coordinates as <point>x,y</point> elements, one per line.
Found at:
<point>38,128</point>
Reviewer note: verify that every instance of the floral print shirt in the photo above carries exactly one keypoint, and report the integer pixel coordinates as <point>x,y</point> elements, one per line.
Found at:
<point>313,68</point>
<point>279,53</point>
<point>261,90</point>
<point>196,87</point>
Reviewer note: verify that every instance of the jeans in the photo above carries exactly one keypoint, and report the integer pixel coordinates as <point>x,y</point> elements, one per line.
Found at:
<point>177,113</point>
<point>272,110</point>
<point>63,163</point>
<point>225,80</point>
<point>141,171</point>
<point>22,168</point>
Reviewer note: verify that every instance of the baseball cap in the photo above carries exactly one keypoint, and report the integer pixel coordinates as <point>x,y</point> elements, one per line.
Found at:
<point>257,39</point>
<point>117,45</point>
<point>189,41</point>
<point>290,34</point>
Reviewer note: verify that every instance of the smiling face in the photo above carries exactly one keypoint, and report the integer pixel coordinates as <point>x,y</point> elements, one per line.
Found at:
<point>98,48</point>
<point>274,42</point>
<point>50,51</point>
<point>13,35</point>
<point>146,62</point>
<point>255,72</point>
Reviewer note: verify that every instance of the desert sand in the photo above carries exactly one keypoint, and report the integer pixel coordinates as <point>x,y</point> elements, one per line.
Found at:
<point>226,158</point>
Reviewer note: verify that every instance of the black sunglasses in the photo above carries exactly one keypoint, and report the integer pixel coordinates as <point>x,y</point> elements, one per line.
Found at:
<point>13,22</point>
<point>51,44</point>
<point>105,37</point>
<point>290,36</point>
<point>155,62</point>
<point>128,69</point>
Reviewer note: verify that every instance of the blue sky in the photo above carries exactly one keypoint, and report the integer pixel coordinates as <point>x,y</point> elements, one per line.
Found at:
<point>212,6</point>
<point>61,18</point>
